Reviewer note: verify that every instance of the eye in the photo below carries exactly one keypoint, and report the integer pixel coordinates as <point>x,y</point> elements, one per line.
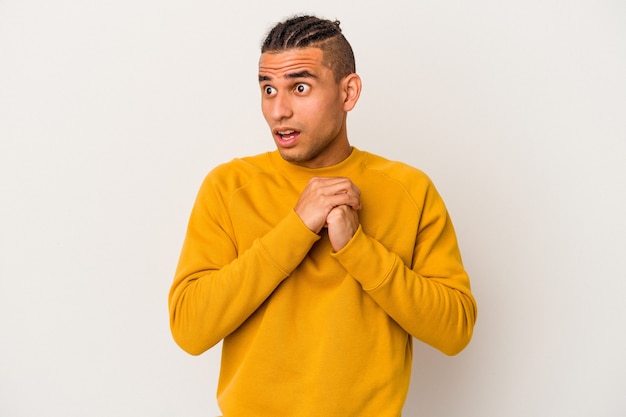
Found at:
<point>269,90</point>
<point>302,88</point>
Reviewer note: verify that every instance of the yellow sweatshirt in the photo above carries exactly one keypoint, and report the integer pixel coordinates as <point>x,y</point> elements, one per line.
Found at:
<point>309,332</point>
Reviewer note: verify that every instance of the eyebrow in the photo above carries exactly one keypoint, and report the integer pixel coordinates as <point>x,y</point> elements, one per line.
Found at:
<point>292,75</point>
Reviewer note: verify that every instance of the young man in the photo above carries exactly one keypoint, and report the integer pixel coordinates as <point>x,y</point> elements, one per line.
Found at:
<point>317,263</point>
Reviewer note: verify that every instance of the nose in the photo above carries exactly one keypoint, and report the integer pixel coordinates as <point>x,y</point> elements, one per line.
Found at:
<point>280,107</point>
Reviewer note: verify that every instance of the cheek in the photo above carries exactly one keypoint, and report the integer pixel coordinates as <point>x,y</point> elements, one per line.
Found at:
<point>324,111</point>
<point>331,113</point>
<point>265,111</point>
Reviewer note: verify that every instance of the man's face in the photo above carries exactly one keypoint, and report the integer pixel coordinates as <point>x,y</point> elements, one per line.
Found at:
<point>304,107</point>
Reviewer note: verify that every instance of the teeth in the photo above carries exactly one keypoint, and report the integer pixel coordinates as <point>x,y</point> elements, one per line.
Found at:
<point>286,132</point>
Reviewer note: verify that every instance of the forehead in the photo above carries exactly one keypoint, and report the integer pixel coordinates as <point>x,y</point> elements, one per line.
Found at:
<point>292,60</point>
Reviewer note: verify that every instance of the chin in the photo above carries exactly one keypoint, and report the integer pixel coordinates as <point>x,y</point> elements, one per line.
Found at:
<point>290,157</point>
<point>299,157</point>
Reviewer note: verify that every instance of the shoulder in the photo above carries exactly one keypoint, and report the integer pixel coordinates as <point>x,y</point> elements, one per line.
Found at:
<point>398,172</point>
<point>239,172</point>
<point>249,165</point>
<point>398,181</point>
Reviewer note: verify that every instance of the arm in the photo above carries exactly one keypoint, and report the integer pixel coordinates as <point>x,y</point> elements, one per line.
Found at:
<point>215,290</point>
<point>430,299</point>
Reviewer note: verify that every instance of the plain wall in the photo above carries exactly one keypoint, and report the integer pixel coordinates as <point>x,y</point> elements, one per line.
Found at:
<point>112,112</point>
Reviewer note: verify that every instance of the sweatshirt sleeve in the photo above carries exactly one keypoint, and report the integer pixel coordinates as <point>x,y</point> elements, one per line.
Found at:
<point>431,298</point>
<point>215,289</point>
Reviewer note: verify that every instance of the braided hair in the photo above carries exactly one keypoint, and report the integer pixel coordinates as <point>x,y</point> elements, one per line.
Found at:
<point>311,31</point>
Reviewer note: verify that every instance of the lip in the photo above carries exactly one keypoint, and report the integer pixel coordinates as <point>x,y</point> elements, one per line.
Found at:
<point>286,136</point>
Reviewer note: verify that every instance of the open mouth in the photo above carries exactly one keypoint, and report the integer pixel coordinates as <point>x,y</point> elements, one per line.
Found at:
<point>287,134</point>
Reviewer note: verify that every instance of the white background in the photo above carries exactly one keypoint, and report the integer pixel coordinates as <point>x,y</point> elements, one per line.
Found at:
<point>112,112</point>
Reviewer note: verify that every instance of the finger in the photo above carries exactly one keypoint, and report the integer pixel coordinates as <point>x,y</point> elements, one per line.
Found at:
<point>344,199</point>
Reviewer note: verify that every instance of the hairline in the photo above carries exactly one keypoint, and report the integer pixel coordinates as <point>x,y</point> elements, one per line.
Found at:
<point>325,60</point>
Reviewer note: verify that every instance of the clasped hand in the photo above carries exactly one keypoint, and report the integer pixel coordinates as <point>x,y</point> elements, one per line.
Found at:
<point>331,202</point>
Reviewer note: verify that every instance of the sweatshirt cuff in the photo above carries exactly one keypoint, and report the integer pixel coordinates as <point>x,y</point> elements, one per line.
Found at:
<point>287,244</point>
<point>366,260</point>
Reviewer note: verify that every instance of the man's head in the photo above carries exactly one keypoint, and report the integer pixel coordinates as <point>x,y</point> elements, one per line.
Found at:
<point>308,85</point>
<point>310,31</point>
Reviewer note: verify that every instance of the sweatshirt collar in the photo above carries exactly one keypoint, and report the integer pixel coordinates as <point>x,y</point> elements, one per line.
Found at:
<point>298,172</point>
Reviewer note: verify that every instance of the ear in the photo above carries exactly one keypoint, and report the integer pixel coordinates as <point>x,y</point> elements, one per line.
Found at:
<point>352,90</point>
